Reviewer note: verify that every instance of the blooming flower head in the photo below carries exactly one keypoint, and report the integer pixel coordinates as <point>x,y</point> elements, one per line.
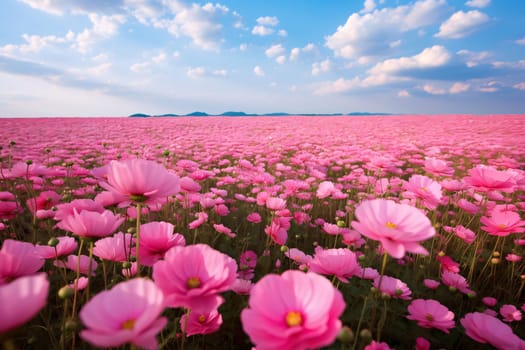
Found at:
<point>425,189</point>
<point>502,223</point>
<point>340,262</point>
<point>18,259</point>
<point>467,235</point>
<point>399,227</point>
<point>67,209</point>
<point>114,248</point>
<point>377,346</point>
<point>487,178</point>
<point>206,272</point>
<point>156,238</point>
<point>21,300</point>
<point>510,313</point>
<point>438,167</point>
<point>431,314</point>
<point>393,287</point>
<point>91,224</point>
<point>140,180</point>
<point>127,313</point>
<point>66,245</point>
<point>485,328</point>
<point>455,281</point>
<point>293,311</point>
<point>200,322</point>
<point>72,263</point>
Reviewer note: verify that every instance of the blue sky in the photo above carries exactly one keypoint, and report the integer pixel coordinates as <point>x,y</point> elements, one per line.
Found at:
<point>118,57</point>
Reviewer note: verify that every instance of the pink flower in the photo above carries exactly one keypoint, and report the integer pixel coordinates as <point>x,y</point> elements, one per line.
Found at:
<point>502,223</point>
<point>512,257</point>
<point>275,203</point>
<point>114,248</point>
<point>438,167</point>
<point>489,301</point>
<point>431,314</point>
<point>465,234</point>
<point>156,238</point>
<point>206,273</point>
<point>224,230</point>
<point>377,346</point>
<point>447,263</point>
<point>399,227</point>
<point>485,328</point>
<point>73,264</point>
<point>18,259</point>
<point>9,208</point>
<point>298,256</point>
<point>455,281</point>
<point>487,178</point>
<point>201,322</point>
<point>67,209</point>
<point>510,313</point>
<point>422,344</point>
<point>325,189</point>
<point>141,181</point>
<point>331,229</point>
<point>341,262</point>
<point>80,283</point>
<point>45,200</point>
<point>242,286</point>
<point>66,245</point>
<point>254,218</point>
<point>467,206</point>
<point>127,313</point>
<point>393,287</point>
<point>431,284</point>
<point>278,233</point>
<point>293,311</point>
<point>202,217</point>
<point>425,189</point>
<point>91,224</point>
<point>21,300</point>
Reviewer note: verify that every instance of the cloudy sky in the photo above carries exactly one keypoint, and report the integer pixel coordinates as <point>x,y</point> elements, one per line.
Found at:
<point>118,57</point>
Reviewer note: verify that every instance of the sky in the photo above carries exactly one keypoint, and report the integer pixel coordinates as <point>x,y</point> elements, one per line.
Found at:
<point>119,57</point>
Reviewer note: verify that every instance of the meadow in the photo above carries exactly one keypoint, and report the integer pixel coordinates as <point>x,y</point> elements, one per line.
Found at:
<point>380,232</point>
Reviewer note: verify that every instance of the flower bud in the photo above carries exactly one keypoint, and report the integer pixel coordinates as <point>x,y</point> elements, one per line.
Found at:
<point>66,292</point>
<point>345,335</point>
<point>53,242</point>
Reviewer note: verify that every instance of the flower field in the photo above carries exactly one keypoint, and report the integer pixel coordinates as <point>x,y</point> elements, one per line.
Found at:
<point>390,232</point>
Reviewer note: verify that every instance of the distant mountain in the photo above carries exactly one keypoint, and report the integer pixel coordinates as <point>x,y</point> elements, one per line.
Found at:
<point>140,115</point>
<point>167,115</point>
<point>276,114</point>
<point>243,114</point>
<point>366,113</point>
<point>237,114</point>
<point>197,114</point>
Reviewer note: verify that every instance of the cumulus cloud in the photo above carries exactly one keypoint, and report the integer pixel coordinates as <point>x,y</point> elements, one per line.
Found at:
<point>257,70</point>
<point>264,25</point>
<point>458,88</point>
<point>370,34</point>
<point>161,57</point>
<point>368,6</point>
<point>462,24</point>
<point>140,67</point>
<point>262,30</point>
<point>104,27</point>
<point>431,57</point>
<point>432,90</point>
<point>200,72</point>
<point>280,59</point>
<point>521,41</point>
<point>403,93</point>
<point>268,21</point>
<point>338,86</point>
<point>295,52</point>
<point>59,7</point>
<point>321,67</point>
<point>474,59</point>
<point>478,3</point>
<point>282,33</point>
<point>491,86</point>
<point>519,86</point>
<point>35,43</point>
<point>274,50</point>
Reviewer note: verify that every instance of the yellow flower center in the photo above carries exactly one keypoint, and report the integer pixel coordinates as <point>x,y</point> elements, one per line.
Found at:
<point>193,282</point>
<point>201,319</point>
<point>423,189</point>
<point>391,225</point>
<point>502,226</point>
<point>294,318</point>
<point>129,324</point>
<point>429,317</point>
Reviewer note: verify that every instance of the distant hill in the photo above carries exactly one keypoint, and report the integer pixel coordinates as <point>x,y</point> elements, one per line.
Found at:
<point>140,115</point>
<point>243,114</point>
<point>197,114</point>
<point>237,114</point>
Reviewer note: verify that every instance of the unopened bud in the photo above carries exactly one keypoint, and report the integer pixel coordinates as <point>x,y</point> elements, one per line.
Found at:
<point>53,242</point>
<point>346,335</point>
<point>66,292</point>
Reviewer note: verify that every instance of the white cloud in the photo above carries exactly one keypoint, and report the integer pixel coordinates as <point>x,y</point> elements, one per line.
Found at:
<point>140,67</point>
<point>459,87</point>
<point>512,65</point>
<point>474,58</point>
<point>321,67</point>
<point>281,59</point>
<point>435,56</point>
<point>403,93</point>
<point>294,53</point>
<point>462,24</point>
<point>100,57</point>
<point>161,57</point>
<point>262,30</point>
<point>338,86</point>
<point>274,50</point>
<point>491,86</point>
<point>519,86</point>
<point>371,33</point>
<point>432,90</point>
<point>368,6</point>
<point>104,27</point>
<point>195,73</point>
<point>268,21</point>
<point>282,33</point>
<point>101,69</point>
<point>309,47</point>
<point>35,43</point>
<point>520,41</point>
<point>200,72</point>
<point>243,47</point>
<point>478,3</point>
<point>176,54</point>
<point>220,72</point>
<point>257,70</point>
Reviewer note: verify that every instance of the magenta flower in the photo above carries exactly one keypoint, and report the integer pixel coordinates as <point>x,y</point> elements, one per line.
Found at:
<point>456,282</point>
<point>156,238</point>
<point>393,287</point>
<point>502,223</point>
<point>194,275</point>
<point>224,230</point>
<point>9,208</point>
<point>21,300</point>
<point>293,311</point>
<point>18,259</point>
<point>91,224</point>
<point>340,262</point>
<point>127,313</point>
<point>438,167</point>
<point>254,218</point>
<point>485,328</point>
<point>510,313</point>
<point>467,235</point>
<point>487,178</point>
<point>277,232</point>
<point>431,314</point>
<point>275,203</point>
<point>141,181</point>
<point>200,322</point>
<point>399,227</point>
<point>377,346</point>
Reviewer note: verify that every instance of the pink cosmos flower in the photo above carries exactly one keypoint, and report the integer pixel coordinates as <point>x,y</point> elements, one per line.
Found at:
<point>275,203</point>
<point>447,263</point>
<point>80,283</point>
<point>431,314</point>
<point>399,227</point>
<point>72,263</point>
<point>68,209</point>
<point>277,232</point>
<point>487,178</point>
<point>512,257</point>
<point>293,311</point>
<point>502,223</point>
<point>467,235</point>
<point>156,238</point>
<point>127,313</point>
<point>206,272</point>
<point>18,259</point>
<point>202,217</point>
<point>340,262</point>
<point>332,229</point>
<point>485,328</point>
<point>510,313</point>
<point>299,257</point>
<point>21,300</point>
<point>91,224</point>
<point>377,346</point>
<point>456,281</point>
<point>467,206</point>
<point>325,189</point>
<point>140,180</point>
<point>41,205</point>
<point>254,218</point>
<point>224,230</point>
<point>425,189</point>
<point>200,322</point>
<point>489,301</point>
<point>431,284</point>
<point>438,167</point>
<point>393,287</point>
<point>66,245</point>
<point>422,344</point>
<point>242,286</point>
<point>9,208</point>
<point>114,248</point>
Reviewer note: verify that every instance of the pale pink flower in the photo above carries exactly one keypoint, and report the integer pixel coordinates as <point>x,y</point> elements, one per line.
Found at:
<point>398,227</point>
<point>156,238</point>
<point>485,328</point>
<point>275,203</point>
<point>467,206</point>
<point>200,322</point>
<point>438,167</point>
<point>456,281</point>
<point>425,189</point>
<point>254,218</point>
<point>21,300</point>
<point>80,283</point>
<point>502,223</point>
<point>293,311</point>
<point>206,273</point>
<point>487,178</point>
<point>298,256</point>
<point>66,245</point>
<point>114,248</point>
<point>129,313</point>
<point>393,287</point>
<point>325,189</point>
<point>242,286</point>
<point>431,314</point>
<point>91,224</point>
<point>467,235</point>
<point>489,301</point>
<point>332,229</point>
<point>68,209</point>
<point>140,181</point>
<point>224,230</point>
<point>510,313</point>
<point>431,284</point>
<point>340,262</point>
<point>18,259</point>
<point>277,232</point>
<point>72,263</point>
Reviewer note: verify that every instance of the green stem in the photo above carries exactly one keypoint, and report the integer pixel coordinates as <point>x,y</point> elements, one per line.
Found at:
<point>383,267</point>
<point>360,322</point>
<point>90,266</point>
<point>137,244</point>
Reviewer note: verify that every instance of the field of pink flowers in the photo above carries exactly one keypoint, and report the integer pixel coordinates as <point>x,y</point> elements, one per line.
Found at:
<point>395,232</point>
